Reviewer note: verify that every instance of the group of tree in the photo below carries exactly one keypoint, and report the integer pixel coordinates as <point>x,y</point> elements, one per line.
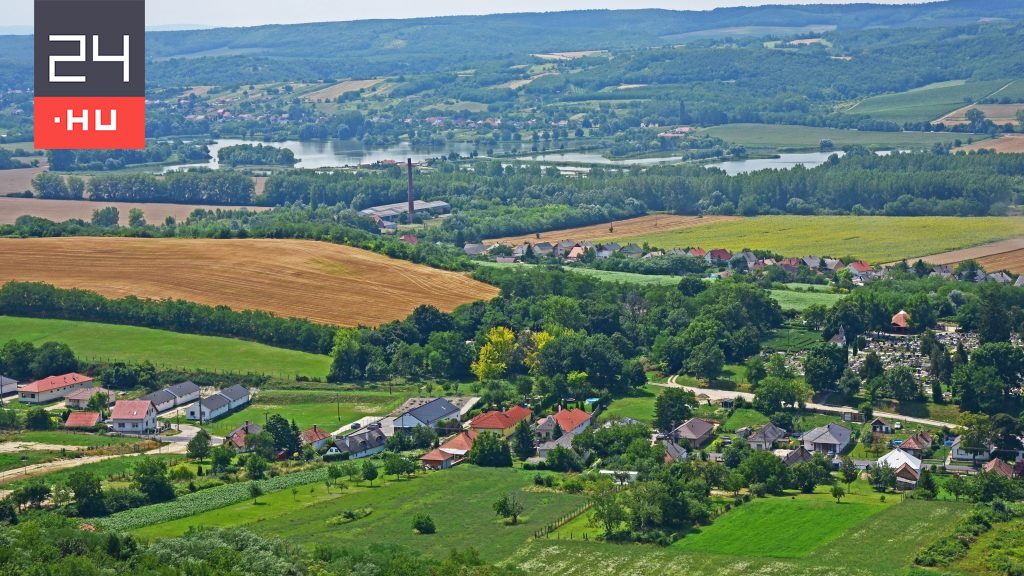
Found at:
<point>26,361</point>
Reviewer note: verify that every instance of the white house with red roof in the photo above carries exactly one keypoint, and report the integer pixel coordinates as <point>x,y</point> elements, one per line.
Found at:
<point>316,437</point>
<point>133,417</point>
<point>79,399</point>
<point>52,388</point>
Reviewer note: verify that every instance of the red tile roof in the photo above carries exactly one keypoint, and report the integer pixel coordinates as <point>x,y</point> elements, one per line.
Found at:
<point>54,382</point>
<point>131,409</point>
<point>569,420</point>
<point>464,441</point>
<point>82,420</point>
<point>313,435</point>
<point>901,320</point>
<point>861,267</point>
<point>999,467</point>
<point>916,442</point>
<point>436,455</point>
<point>495,420</point>
<point>87,393</point>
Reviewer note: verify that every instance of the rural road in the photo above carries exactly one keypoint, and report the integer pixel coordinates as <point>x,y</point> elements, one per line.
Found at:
<point>729,394</point>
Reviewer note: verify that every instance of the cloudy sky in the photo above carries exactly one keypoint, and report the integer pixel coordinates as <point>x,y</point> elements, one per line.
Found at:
<point>18,13</point>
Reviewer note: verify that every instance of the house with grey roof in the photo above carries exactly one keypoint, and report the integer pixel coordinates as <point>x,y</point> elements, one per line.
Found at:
<point>186,391</point>
<point>10,385</point>
<point>829,439</point>
<point>812,262</point>
<point>429,414</point>
<point>474,249</point>
<point>766,437</point>
<point>360,445</point>
<point>564,441</point>
<point>238,395</point>
<point>209,408</point>
<point>695,431</point>
<point>162,400</point>
<point>793,457</point>
<point>632,251</point>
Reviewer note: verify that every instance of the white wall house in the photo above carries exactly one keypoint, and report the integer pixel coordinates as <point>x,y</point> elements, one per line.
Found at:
<point>209,408</point>
<point>133,417</point>
<point>52,388</point>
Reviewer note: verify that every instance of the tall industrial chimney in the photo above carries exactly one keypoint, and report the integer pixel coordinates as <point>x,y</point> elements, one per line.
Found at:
<point>412,206</point>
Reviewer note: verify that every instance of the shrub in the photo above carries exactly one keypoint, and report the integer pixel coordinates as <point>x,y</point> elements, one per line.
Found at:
<point>423,524</point>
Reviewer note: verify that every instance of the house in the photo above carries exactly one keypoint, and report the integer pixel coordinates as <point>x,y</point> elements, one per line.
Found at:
<point>209,408</point>
<point>794,457</point>
<point>830,439</point>
<point>719,255</point>
<point>451,452</point>
<point>163,400</point>
<point>839,339</point>
<point>237,437</point>
<point>831,264</point>
<point>545,448</point>
<point>79,399</point>
<point>1000,278</point>
<point>897,458</point>
<point>236,395</point>
<point>133,417</point>
<point>907,477</point>
<point>880,426</point>
<point>812,262</point>
<point>1020,281</point>
<point>998,466</point>
<point>632,251</point>
<point>900,321</point>
<point>563,247</point>
<point>187,391</point>
<point>673,451</point>
<point>315,437</point>
<point>572,421</point>
<point>958,451</point>
<point>52,388</point>
<point>409,239</point>
<point>860,269</point>
<point>83,420</point>
<point>361,444</point>
<point>576,253</point>
<point>474,249</point>
<point>546,429</point>
<point>429,414</point>
<point>697,253</point>
<point>696,432</point>
<point>543,249</point>
<point>766,437</point>
<point>8,385</point>
<point>501,423</point>
<point>916,444</point>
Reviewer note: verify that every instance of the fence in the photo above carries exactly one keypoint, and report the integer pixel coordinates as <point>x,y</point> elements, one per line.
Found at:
<point>562,521</point>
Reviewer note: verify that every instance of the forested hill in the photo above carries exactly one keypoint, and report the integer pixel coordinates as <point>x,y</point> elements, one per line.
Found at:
<point>382,47</point>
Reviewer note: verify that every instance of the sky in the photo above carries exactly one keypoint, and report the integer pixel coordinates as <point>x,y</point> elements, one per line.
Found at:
<point>17,14</point>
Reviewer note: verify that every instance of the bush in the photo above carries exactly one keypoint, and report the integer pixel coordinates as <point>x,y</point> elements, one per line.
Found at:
<point>423,524</point>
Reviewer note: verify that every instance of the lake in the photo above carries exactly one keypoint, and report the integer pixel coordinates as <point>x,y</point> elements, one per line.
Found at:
<point>335,153</point>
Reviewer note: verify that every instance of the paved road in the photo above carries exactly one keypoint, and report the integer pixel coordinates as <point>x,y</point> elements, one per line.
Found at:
<point>729,394</point>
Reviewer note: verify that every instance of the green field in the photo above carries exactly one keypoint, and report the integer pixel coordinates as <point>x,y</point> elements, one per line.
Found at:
<point>791,340</point>
<point>12,460</point>
<point>789,137</point>
<point>459,500</point>
<point>309,407</point>
<point>104,469</point>
<point>95,341</point>
<point>926,103</point>
<point>639,405</point>
<point>882,543</point>
<point>627,277</point>
<point>744,417</point>
<point>793,300</point>
<point>66,438</point>
<point>876,239</point>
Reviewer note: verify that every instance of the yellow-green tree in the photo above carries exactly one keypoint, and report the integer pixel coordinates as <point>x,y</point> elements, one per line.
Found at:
<point>537,342</point>
<point>495,355</point>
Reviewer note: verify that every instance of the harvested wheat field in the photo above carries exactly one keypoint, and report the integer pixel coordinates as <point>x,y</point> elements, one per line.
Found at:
<point>61,210</point>
<point>297,278</point>
<point>977,252</point>
<point>997,113</point>
<point>1009,261</point>
<point>650,224</point>
<point>17,180</point>
<point>1006,144</point>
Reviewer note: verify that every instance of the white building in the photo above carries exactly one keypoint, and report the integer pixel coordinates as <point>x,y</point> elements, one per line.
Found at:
<point>52,388</point>
<point>133,417</point>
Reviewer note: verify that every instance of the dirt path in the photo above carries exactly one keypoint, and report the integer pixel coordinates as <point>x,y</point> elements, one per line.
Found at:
<point>714,394</point>
<point>56,465</point>
<point>8,447</point>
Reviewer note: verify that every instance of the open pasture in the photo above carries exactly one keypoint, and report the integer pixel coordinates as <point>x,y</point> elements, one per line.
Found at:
<point>788,137</point>
<point>95,341</point>
<point>61,210</point>
<point>295,278</point>
<point>876,239</point>
<point>652,223</point>
<point>883,541</point>
<point>459,500</point>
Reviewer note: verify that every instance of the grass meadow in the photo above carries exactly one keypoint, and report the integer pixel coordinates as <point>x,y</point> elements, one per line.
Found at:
<point>459,500</point>
<point>877,239</point>
<point>91,340</point>
<point>859,537</point>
